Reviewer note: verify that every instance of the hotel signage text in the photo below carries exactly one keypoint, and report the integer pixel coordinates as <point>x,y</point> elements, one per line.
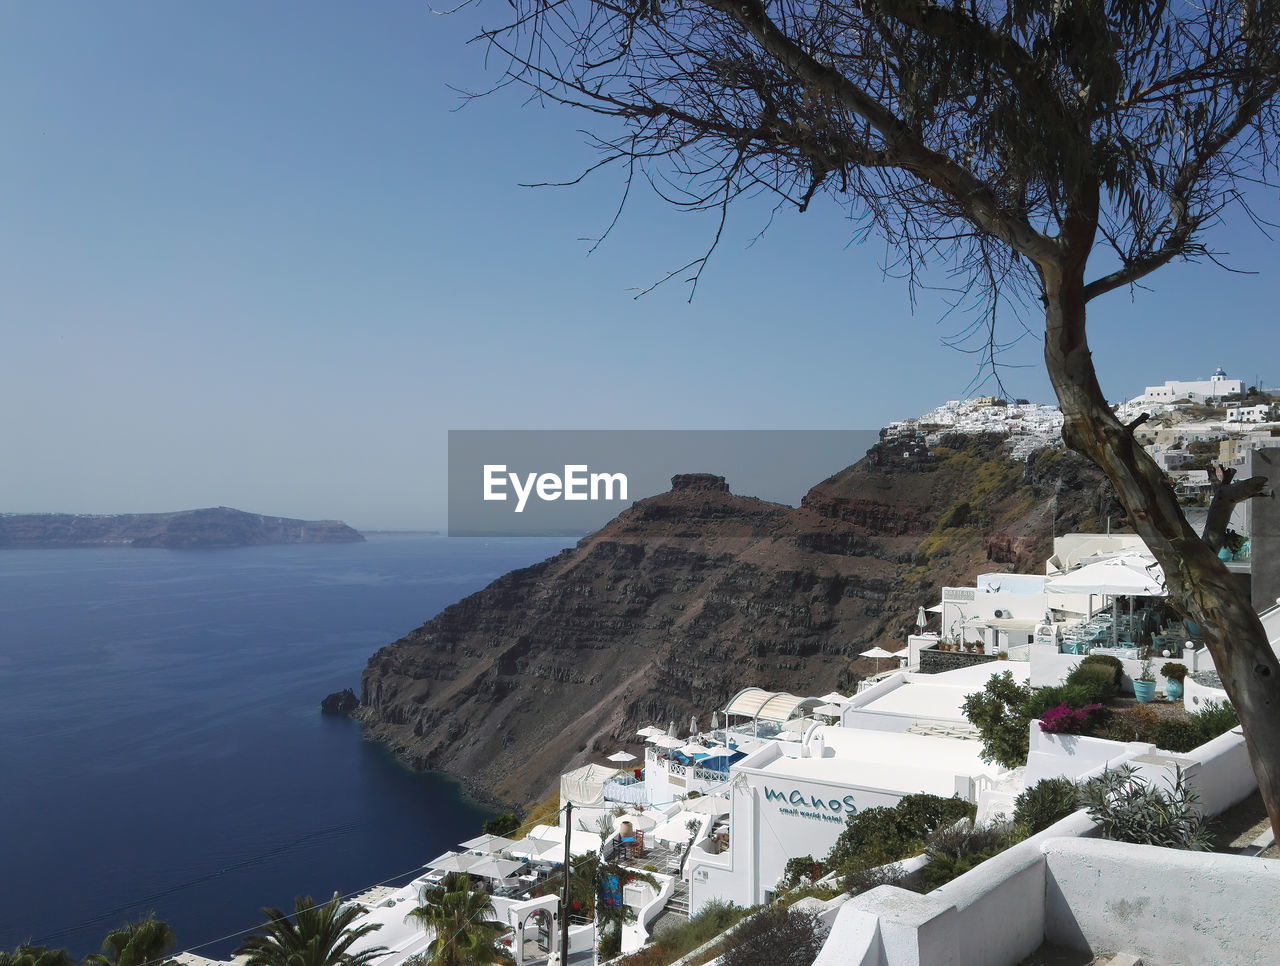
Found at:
<point>796,802</point>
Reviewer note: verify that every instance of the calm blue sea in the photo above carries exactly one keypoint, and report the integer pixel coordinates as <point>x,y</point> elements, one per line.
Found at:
<point>161,746</point>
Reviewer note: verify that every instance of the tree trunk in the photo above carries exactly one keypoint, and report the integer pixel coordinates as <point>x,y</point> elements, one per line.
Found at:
<point>1199,584</point>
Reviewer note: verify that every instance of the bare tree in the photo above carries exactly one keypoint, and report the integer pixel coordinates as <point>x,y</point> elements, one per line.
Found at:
<point>1015,143</point>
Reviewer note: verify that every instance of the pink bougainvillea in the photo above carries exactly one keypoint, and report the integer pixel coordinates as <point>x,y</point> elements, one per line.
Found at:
<point>1063,720</point>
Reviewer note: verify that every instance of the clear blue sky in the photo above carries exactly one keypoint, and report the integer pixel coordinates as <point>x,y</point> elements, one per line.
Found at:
<point>254,256</point>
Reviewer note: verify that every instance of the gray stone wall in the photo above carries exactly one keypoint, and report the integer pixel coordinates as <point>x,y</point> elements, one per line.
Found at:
<point>933,661</point>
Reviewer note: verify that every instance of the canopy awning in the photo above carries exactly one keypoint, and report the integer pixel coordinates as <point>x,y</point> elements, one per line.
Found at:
<point>748,702</point>
<point>776,706</point>
<point>585,785</point>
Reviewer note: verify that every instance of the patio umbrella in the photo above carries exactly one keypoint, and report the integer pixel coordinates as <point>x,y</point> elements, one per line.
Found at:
<point>921,619</point>
<point>835,697</point>
<point>488,843</point>
<point>531,848</point>
<point>621,757</point>
<point>650,732</point>
<point>667,741</point>
<point>454,862</point>
<point>642,823</point>
<point>797,725</point>
<point>693,725</point>
<point>1114,577</point>
<point>829,710</point>
<point>693,749</point>
<point>877,653</point>
<point>708,805</point>
<point>495,868</point>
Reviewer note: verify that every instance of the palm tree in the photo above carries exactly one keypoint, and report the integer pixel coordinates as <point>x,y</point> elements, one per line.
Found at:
<point>27,955</point>
<point>135,943</point>
<point>463,935</point>
<point>315,936</point>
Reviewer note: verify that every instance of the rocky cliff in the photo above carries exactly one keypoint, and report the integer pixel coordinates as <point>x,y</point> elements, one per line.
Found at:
<point>689,596</point>
<point>183,530</point>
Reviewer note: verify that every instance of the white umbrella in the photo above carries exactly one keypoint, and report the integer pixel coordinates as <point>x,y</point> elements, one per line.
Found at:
<point>676,828</point>
<point>835,697</point>
<point>921,618</point>
<point>495,868</point>
<point>877,653</point>
<point>797,725</point>
<point>693,749</point>
<point>621,757</point>
<point>666,741</point>
<point>716,751</point>
<point>650,732</point>
<point>454,862</point>
<point>1115,577</point>
<point>708,805</point>
<point>642,823</point>
<point>693,725</point>
<point>830,710</point>
<point>488,843</point>
<point>537,848</point>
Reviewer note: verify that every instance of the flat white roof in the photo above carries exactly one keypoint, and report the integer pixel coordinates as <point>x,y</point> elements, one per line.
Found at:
<point>889,760</point>
<point>927,700</point>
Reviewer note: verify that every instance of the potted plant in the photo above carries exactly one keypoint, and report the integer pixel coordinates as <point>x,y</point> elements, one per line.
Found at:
<point>1173,675</point>
<point>1144,687</point>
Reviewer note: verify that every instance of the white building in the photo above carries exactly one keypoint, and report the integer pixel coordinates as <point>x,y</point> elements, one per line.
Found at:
<point>1248,414</point>
<point>791,797</point>
<point>1196,390</point>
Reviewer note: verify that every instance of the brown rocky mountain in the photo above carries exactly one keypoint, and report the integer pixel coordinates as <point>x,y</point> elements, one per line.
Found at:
<point>687,597</point>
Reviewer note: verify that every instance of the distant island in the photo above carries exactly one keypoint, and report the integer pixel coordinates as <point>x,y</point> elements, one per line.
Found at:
<point>211,528</point>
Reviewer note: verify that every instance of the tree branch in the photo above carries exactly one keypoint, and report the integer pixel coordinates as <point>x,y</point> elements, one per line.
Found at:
<point>1227,493</point>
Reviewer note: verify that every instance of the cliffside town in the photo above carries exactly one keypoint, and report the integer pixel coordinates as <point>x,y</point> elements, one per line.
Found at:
<point>689,596</point>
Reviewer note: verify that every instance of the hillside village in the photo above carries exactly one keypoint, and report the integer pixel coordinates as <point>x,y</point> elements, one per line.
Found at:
<point>1011,689</point>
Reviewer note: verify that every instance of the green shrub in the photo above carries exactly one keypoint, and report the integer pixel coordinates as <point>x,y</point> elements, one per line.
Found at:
<point>1129,809</point>
<point>776,936</point>
<point>1178,734</point>
<point>863,880</point>
<point>1136,723</point>
<point>503,824</point>
<point>671,944</point>
<point>1106,660</point>
<point>956,849</point>
<point>1098,679</point>
<point>1072,695</point>
<point>1000,713</point>
<point>1046,802</point>
<point>1215,718</point>
<point>885,834</point>
<point>610,944</point>
<point>800,869</point>
<point>1174,671</point>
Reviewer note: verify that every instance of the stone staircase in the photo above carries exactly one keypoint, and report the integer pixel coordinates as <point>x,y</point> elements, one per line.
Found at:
<point>678,903</point>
